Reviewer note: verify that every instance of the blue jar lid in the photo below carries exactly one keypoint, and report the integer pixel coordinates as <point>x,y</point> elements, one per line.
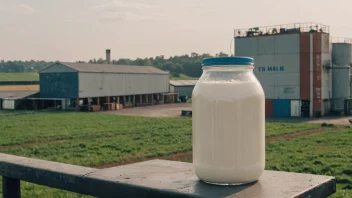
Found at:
<point>228,61</point>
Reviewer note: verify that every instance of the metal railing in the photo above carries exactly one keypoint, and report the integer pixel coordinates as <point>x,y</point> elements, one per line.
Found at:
<point>341,40</point>
<point>282,29</point>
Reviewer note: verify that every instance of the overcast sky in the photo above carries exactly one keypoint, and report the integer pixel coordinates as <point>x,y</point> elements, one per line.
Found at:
<point>70,30</point>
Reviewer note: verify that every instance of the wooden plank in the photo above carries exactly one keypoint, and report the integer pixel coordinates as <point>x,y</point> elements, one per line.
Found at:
<point>11,188</point>
<point>158,178</point>
<point>179,178</point>
<point>52,174</point>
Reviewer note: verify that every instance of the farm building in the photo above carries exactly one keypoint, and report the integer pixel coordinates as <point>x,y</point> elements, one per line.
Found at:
<point>15,99</point>
<point>90,86</point>
<point>183,88</point>
<point>293,64</point>
<point>16,87</point>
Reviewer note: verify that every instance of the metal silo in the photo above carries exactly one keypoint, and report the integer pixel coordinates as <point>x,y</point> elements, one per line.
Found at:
<point>340,86</point>
<point>341,51</point>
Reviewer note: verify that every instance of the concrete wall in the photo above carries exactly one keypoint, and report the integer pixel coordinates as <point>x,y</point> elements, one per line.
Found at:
<point>277,63</point>
<point>8,104</point>
<point>341,82</point>
<point>326,79</point>
<point>111,84</point>
<point>182,90</point>
<point>326,73</point>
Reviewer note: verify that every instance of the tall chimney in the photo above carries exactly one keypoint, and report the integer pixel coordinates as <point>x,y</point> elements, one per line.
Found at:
<point>108,60</point>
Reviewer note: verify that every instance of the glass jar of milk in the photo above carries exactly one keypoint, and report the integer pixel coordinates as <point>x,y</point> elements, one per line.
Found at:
<point>228,122</point>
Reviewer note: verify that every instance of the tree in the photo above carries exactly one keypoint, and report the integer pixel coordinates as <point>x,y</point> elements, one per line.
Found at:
<point>193,54</point>
<point>138,62</point>
<point>222,54</point>
<point>122,61</point>
<point>177,69</point>
<point>188,64</point>
<point>147,62</point>
<point>100,61</point>
<point>206,55</point>
<point>93,61</point>
<point>168,66</point>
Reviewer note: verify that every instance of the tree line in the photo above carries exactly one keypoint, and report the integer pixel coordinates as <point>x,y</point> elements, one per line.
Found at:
<point>23,66</point>
<point>189,65</point>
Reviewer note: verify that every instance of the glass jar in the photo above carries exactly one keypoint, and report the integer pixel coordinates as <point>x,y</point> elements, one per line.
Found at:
<point>228,122</point>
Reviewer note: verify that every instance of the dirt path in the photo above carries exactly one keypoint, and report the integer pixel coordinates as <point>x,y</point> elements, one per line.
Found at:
<point>337,120</point>
<point>32,143</point>
<point>295,134</point>
<point>56,141</point>
<point>188,155</point>
<point>161,110</point>
<point>268,139</point>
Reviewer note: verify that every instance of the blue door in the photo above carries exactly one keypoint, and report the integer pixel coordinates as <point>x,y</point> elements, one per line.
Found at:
<point>282,108</point>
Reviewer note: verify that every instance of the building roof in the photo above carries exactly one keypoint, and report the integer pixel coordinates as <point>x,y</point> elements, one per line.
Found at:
<point>109,68</point>
<point>180,83</point>
<point>16,94</point>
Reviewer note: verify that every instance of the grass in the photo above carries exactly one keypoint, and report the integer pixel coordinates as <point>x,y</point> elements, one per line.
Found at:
<point>184,77</point>
<point>93,139</point>
<point>20,76</point>
<point>55,126</point>
<point>59,126</point>
<point>281,128</point>
<point>327,153</point>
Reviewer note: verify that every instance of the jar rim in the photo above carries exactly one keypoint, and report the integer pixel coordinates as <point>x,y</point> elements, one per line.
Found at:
<point>228,67</point>
<point>233,61</point>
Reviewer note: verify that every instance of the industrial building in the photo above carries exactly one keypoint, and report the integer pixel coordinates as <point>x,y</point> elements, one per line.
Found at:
<point>13,99</point>
<point>95,85</point>
<point>183,88</point>
<point>299,70</point>
<point>341,74</point>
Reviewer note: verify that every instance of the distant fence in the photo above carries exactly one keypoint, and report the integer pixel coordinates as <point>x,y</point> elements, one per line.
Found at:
<point>341,40</point>
<point>282,29</point>
<point>2,83</point>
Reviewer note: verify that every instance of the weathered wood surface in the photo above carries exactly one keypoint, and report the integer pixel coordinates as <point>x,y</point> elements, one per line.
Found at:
<point>158,178</point>
<point>11,187</point>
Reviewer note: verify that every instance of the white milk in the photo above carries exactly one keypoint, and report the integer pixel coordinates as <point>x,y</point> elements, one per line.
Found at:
<point>228,131</point>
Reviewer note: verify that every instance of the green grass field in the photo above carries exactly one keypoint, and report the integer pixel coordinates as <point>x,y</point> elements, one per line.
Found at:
<point>26,76</point>
<point>184,77</point>
<point>327,153</point>
<point>96,139</point>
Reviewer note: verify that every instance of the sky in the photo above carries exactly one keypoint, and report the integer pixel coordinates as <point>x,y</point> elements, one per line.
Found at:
<point>72,30</point>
